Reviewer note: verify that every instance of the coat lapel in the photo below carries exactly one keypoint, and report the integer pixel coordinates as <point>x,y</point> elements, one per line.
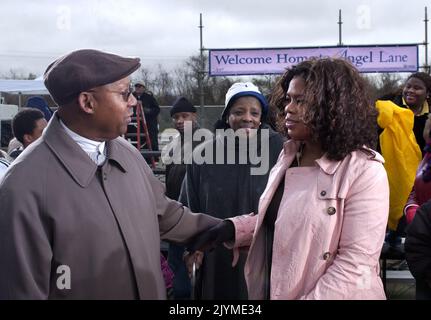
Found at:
<point>77,163</point>
<point>277,173</point>
<point>254,259</point>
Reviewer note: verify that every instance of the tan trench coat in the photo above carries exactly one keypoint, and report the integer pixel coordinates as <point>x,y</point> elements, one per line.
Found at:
<point>69,230</point>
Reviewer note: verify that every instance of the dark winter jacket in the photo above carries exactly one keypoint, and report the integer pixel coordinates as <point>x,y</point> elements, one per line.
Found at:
<point>224,191</point>
<point>151,111</point>
<point>418,250</point>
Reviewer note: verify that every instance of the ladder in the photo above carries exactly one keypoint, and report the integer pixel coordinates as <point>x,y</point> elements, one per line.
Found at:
<point>140,123</point>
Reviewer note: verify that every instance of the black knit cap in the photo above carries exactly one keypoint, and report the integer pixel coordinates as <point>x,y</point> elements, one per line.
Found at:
<point>82,70</point>
<point>182,105</point>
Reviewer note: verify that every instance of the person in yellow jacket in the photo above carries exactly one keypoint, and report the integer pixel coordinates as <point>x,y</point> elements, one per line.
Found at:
<point>402,120</point>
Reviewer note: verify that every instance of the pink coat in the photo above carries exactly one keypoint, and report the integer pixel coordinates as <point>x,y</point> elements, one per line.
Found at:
<point>329,231</point>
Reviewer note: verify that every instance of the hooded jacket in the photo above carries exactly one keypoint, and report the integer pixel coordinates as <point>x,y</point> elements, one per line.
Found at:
<point>401,152</point>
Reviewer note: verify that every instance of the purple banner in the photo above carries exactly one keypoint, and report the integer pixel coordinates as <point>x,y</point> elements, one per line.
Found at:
<point>385,58</point>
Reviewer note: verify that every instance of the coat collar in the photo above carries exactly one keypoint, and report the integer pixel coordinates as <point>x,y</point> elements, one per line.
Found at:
<point>331,166</point>
<point>75,160</point>
<point>327,166</point>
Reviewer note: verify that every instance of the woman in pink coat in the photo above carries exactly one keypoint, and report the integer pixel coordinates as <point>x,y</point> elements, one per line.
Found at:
<point>322,218</point>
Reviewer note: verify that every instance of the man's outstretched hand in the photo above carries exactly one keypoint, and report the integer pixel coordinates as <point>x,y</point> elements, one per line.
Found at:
<point>213,237</point>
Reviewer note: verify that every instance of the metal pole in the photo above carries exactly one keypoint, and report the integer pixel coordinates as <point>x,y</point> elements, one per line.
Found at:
<point>426,41</point>
<point>201,71</point>
<point>340,22</point>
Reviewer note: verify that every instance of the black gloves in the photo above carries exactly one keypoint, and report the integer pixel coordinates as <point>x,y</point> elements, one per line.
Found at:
<point>213,237</point>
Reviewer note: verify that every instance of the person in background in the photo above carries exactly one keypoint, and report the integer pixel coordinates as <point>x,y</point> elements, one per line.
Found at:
<point>82,214</point>
<point>4,164</point>
<point>27,126</point>
<point>321,221</point>
<point>421,191</point>
<point>401,119</point>
<point>418,250</point>
<point>151,111</point>
<point>38,103</point>
<point>35,102</point>
<point>182,112</point>
<point>228,189</point>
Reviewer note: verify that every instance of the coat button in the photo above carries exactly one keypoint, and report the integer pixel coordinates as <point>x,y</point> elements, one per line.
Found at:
<point>323,193</point>
<point>105,176</point>
<point>331,211</point>
<point>326,255</point>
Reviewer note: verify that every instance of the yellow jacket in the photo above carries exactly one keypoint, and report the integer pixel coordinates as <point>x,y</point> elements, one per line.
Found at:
<point>401,152</point>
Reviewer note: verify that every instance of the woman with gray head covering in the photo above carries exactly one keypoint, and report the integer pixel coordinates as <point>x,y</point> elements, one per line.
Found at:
<point>226,188</point>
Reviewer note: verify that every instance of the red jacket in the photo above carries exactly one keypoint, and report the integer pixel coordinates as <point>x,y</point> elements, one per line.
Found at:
<point>421,191</point>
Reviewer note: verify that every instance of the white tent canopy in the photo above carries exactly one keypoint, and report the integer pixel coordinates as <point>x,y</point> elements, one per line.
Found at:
<point>24,87</point>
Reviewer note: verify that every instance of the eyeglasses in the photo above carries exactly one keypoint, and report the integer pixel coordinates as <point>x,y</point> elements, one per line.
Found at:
<point>125,94</point>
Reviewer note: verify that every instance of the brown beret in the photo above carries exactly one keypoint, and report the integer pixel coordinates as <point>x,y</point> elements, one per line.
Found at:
<point>82,70</point>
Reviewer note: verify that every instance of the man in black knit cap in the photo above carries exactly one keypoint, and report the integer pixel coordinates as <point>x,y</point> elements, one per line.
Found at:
<point>184,117</point>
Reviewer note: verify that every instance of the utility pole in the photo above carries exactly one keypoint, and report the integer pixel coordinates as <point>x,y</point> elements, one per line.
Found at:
<point>201,72</point>
<point>427,68</point>
<point>340,22</point>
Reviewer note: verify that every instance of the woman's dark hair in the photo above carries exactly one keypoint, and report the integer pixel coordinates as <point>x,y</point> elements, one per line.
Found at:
<point>338,109</point>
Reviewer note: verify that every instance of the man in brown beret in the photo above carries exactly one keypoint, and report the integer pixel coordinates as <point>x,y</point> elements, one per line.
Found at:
<point>81,213</point>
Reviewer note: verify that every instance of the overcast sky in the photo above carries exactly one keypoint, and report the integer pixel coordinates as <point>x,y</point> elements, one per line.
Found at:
<point>33,33</point>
